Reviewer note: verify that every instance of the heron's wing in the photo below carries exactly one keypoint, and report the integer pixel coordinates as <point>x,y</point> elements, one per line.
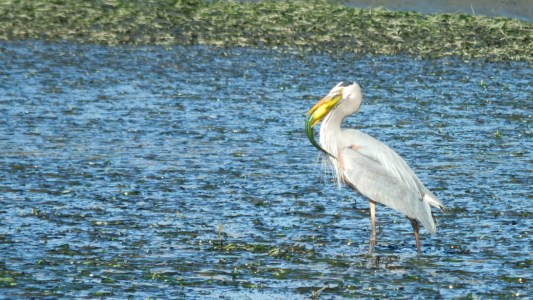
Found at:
<point>382,175</point>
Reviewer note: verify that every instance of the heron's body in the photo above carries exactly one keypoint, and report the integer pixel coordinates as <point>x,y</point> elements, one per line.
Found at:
<point>369,166</point>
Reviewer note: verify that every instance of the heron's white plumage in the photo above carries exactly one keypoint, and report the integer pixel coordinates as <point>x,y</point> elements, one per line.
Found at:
<point>371,167</point>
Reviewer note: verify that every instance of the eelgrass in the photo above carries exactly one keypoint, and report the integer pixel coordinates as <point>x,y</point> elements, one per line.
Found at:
<point>322,26</point>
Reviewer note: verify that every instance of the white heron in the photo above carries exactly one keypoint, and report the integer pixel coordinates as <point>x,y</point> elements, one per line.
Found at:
<point>367,165</point>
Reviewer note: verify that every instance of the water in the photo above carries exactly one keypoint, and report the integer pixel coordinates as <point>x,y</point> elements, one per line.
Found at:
<point>520,9</point>
<point>184,172</point>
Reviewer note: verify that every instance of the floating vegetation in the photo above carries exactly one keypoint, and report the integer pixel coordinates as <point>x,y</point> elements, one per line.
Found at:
<point>324,26</point>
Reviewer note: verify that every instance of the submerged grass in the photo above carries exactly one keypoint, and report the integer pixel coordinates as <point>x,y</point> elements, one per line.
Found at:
<point>319,25</point>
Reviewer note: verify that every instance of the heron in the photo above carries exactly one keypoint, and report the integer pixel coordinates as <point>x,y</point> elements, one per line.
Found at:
<point>367,165</point>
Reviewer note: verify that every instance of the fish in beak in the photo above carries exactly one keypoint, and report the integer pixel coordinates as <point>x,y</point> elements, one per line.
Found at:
<point>318,112</point>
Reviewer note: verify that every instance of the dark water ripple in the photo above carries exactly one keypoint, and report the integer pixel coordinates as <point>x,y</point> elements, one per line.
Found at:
<point>184,172</point>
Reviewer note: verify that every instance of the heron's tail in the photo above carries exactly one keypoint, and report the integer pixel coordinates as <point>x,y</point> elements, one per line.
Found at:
<point>432,200</point>
<point>428,220</point>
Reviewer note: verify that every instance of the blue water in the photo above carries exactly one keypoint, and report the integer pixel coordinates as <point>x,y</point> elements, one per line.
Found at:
<point>184,172</point>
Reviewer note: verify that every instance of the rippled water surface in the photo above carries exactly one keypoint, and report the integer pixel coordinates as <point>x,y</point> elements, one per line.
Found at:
<point>185,173</point>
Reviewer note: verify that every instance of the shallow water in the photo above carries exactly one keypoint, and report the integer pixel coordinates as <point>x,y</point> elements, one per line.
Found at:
<point>185,172</point>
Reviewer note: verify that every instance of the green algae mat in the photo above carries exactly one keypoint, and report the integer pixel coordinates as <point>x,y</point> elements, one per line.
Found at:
<point>318,26</point>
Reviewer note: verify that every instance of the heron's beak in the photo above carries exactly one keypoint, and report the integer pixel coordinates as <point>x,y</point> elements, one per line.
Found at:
<point>317,113</point>
<point>322,108</point>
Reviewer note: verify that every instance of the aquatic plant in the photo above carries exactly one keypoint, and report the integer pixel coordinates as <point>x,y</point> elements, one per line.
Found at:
<point>319,25</point>
<point>325,26</point>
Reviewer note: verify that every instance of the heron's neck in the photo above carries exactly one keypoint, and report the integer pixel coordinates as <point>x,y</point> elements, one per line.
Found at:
<point>330,132</point>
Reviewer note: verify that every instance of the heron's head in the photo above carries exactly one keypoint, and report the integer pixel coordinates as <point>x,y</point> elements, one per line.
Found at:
<point>347,96</point>
<point>343,98</point>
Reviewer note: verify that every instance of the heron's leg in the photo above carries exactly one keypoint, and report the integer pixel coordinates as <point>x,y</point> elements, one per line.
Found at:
<point>414,222</point>
<point>373,239</point>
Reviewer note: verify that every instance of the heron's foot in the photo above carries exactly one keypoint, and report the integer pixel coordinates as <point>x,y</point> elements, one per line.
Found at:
<point>373,262</point>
